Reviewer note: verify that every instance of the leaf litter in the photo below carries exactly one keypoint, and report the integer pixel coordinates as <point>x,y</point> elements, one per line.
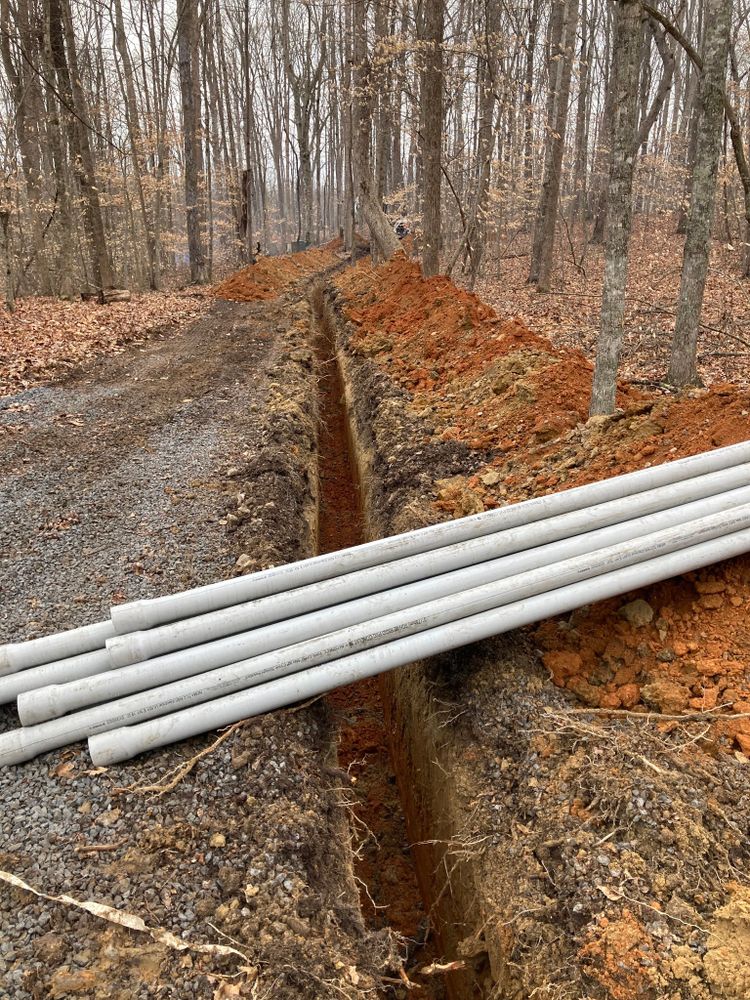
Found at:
<point>46,338</point>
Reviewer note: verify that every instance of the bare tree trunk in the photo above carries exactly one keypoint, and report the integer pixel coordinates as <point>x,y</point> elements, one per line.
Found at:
<point>690,122</point>
<point>682,217</point>
<point>399,75</point>
<point>27,115</point>
<point>385,106</point>
<point>528,110</point>
<point>305,82</point>
<point>472,243</point>
<point>581,136</point>
<point>682,368</point>
<point>380,229</point>
<point>5,212</point>
<point>66,285</point>
<point>62,41</point>
<point>432,135</point>
<point>191,125</point>
<point>247,187</point>
<point>134,134</point>
<point>348,129</point>
<point>603,160</point>
<point>562,48</point>
<point>665,84</point>
<point>628,36</point>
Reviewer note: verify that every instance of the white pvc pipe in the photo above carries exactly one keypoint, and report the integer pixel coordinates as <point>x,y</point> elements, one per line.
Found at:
<point>159,610</point>
<point>110,747</point>
<point>120,744</point>
<point>138,646</point>
<point>70,670</point>
<point>20,655</point>
<point>23,744</point>
<point>52,701</point>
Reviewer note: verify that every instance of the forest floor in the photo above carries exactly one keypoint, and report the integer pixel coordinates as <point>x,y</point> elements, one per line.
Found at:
<point>46,339</point>
<point>599,855</point>
<point>569,313</point>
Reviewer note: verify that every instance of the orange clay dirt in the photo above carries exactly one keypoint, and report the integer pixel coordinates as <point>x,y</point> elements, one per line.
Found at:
<point>270,276</point>
<point>488,381</point>
<point>491,383</point>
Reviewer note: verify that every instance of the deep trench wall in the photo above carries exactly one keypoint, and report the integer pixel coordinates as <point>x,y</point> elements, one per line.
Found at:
<point>285,473</point>
<point>435,794</point>
<point>293,380</point>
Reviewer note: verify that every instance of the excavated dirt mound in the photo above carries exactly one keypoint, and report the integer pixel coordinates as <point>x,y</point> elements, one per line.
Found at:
<point>491,383</point>
<point>483,379</point>
<point>586,837</point>
<point>270,276</point>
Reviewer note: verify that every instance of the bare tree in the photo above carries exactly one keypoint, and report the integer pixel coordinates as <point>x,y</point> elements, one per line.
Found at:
<point>136,143</point>
<point>432,133</point>
<point>6,203</point>
<point>24,81</point>
<point>380,229</point>
<point>683,367</point>
<point>628,35</point>
<point>562,47</point>
<point>75,109</point>
<point>246,223</point>
<point>473,241</point>
<point>191,125</point>
<point>304,69</point>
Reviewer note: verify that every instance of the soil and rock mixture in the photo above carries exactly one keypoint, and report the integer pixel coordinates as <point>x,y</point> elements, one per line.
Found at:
<point>583,784</point>
<point>160,469</point>
<point>390,894</point>
<point>497,387</point>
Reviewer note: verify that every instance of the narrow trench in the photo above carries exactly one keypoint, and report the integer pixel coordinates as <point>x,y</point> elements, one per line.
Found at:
<point>384,868</point>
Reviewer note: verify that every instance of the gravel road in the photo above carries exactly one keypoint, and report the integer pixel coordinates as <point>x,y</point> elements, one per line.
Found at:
<point>117,485</point>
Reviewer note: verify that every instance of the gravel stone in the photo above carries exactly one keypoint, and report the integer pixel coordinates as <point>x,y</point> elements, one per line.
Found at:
<point>133,503</point>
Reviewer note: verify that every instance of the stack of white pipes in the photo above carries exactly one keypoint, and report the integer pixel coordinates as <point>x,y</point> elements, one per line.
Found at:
<point>164,669</point>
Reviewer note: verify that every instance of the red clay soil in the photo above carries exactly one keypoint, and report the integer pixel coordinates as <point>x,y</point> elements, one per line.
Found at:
<point>495,385</point>
<point>270,276</point>
<point>684,648</point>
<point>385,870</point>
<point>488,381</point>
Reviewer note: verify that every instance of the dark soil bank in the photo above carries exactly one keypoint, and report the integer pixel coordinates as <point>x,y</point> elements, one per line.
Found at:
<point>390,895</point>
